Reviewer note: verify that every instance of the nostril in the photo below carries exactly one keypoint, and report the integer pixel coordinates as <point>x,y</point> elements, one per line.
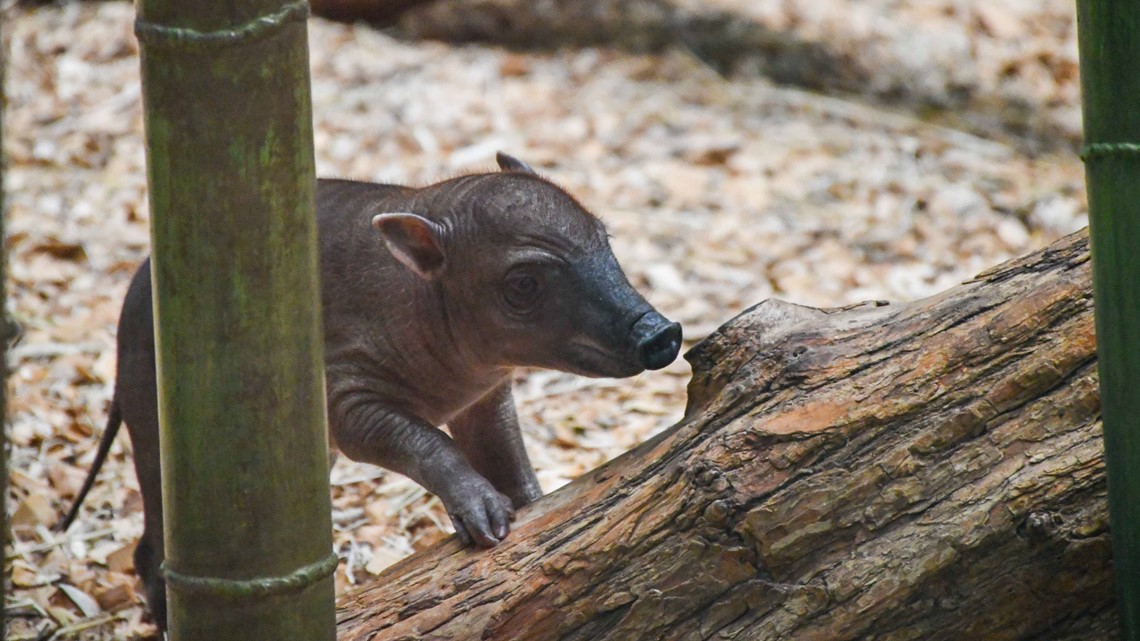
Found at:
<point>661,347</point>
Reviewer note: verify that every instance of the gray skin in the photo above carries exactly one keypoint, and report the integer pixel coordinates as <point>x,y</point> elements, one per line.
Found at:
<point>426,316</point>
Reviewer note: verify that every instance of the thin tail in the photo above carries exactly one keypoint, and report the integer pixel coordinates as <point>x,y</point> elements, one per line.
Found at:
<point>114,420</point>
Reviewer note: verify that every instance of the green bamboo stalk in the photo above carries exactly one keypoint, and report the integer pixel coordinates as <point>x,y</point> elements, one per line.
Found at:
<point>1109,36</point>
<point>240,367</point>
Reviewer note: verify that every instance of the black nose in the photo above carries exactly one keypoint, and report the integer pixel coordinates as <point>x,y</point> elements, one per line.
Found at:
<point>661,346</point>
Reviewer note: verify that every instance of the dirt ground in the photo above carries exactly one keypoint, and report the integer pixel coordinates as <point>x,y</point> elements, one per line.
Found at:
<point>719,192</point>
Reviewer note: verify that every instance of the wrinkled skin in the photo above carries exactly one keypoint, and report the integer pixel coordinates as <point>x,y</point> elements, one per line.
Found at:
<point>431,298</point>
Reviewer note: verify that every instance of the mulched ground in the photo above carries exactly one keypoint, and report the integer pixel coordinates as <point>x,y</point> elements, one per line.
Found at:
<point>718,193</point>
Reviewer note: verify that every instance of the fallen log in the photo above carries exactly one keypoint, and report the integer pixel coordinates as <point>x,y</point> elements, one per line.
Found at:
<point>381,13</point>
<point>929,470</point>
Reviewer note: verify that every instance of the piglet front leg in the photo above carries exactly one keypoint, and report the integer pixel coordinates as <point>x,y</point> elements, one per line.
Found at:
<point>372,432</point>
<point>488,434</point>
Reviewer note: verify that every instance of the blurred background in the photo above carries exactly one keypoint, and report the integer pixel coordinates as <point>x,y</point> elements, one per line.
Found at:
<point>824,153</point>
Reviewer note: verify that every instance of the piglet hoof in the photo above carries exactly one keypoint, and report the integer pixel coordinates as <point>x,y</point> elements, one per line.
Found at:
<point>480,514</point>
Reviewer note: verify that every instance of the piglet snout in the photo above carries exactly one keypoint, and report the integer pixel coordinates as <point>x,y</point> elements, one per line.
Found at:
<point>658,340</point>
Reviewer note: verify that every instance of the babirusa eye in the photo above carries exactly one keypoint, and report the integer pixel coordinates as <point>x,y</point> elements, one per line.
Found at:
<point>522,290</point>
<point>525,285</point>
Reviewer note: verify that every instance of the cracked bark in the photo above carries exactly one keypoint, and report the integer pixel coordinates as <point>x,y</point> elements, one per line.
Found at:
<point>931,470</point>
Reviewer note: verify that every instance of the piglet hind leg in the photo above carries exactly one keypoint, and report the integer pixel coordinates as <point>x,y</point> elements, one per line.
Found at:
<point>136,392</point>
<point>372,432</point>
<point>488,434</point>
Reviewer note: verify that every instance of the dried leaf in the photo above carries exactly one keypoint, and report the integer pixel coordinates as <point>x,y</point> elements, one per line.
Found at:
<point>25,577</point>
<point>381,558</point>
<point>379,511</point>
<point>66,479</point>
<point>85,602</point>
<point>61,615</point>
<point>60,249</point>
<point>116,597</point>
<point>122,559</point>
<point>35,509</point>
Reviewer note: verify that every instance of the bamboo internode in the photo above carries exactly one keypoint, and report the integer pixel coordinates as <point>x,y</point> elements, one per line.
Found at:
<point>239,352</point>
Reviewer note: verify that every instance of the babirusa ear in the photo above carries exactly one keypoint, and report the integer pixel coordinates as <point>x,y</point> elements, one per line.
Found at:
<point>414,240</point>
<point>510,163</point>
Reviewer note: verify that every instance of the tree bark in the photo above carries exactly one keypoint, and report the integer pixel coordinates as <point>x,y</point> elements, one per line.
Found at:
<point>931,470</point>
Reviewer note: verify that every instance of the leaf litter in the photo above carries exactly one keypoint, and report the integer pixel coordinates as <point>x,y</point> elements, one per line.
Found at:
<point>718,193</point>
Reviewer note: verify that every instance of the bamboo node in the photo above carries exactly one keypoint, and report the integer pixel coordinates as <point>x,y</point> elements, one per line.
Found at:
<point>256,588</point>
<point>259,28</point>
<point>1095,150</point>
